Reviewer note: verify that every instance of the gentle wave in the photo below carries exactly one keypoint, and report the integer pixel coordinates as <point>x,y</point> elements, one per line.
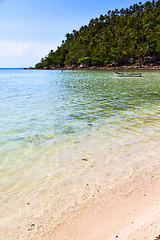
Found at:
<point>44,114</point>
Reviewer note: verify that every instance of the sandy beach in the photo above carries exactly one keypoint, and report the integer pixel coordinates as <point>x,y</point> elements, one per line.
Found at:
<point>128,210</point>
<point>132,212</point>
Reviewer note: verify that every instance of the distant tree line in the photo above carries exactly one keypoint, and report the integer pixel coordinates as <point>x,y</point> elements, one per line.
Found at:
<point>120,37</point>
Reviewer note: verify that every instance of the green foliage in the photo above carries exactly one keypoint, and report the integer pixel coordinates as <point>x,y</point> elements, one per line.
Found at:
<point>84,60</point>
<point>119,37</point>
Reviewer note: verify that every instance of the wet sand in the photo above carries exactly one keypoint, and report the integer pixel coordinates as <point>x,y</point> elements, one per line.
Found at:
<point>132,212</point>
<point>127,209</point>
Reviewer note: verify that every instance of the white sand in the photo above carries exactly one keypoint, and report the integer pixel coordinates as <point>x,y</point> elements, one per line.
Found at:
<point>132,212</point>
<point>103,202</point>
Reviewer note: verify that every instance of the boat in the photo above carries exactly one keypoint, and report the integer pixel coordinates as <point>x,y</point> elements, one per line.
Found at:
<point>128,74</point>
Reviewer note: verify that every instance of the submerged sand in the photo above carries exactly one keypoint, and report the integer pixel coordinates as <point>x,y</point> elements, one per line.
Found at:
<point>102,202</point>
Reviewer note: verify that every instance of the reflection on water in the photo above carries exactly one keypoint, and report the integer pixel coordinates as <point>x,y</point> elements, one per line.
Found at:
<point>44,113</point>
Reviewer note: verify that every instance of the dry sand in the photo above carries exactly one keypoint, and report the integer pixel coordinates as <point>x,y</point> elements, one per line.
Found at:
<point>129,212</point>
<point>132,212</point>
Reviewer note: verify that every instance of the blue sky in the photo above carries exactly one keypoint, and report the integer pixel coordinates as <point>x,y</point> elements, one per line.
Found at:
<point>29,29</point>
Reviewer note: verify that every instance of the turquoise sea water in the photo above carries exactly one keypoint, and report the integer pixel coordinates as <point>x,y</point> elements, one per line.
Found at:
<point>47,117</point>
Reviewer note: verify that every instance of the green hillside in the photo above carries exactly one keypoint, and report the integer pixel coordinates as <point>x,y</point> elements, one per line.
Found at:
<point>120,37</point>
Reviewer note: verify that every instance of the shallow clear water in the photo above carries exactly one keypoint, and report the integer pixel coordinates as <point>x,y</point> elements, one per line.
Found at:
<point>47,117</point>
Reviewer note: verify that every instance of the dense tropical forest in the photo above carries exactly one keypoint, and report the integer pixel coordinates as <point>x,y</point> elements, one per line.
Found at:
<point>120,37</point>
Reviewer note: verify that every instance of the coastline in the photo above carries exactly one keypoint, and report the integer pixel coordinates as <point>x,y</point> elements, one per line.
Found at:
<point>131,67</point>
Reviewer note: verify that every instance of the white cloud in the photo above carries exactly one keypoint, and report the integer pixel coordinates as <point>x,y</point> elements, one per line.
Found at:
<point>10,49</point>
<point>22,53</point>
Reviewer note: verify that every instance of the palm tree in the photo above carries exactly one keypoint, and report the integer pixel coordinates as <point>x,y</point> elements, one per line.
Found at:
<point>109,13</point>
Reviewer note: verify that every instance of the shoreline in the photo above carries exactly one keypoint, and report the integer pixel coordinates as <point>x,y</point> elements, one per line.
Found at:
<point>131,67</point>
<point>129,212</point>
<point>128,209</point>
